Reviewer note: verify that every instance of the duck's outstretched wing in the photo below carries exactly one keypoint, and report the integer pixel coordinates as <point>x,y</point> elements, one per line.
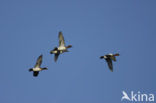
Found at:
<point>39,61</point>
<point>56,56</point>
<point>110,65</point>
<point>61,39</point>
<point>35,73</point>
<point>113,58</point>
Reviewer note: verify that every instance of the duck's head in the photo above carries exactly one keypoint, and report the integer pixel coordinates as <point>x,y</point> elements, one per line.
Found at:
<point>104,56</point>
<point>31,69</point>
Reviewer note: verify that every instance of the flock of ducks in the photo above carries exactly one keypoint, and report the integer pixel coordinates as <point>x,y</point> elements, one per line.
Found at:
<point>63,48</point>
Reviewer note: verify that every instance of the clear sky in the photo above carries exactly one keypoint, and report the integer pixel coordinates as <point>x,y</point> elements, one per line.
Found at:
<point>29,28</point>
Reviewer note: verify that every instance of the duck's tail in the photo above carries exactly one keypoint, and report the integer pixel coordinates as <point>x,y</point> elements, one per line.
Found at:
<point>44,68</point>
<point>117,54</point>
<point>69,46</point>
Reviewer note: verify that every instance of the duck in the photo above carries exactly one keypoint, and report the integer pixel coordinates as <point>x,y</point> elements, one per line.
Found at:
<point>37,67</point>
<point>56,53</point>
<point>109,57</point>
<point>61,48</point>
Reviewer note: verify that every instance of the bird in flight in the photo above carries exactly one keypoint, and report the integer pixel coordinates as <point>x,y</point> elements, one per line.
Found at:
<point>61,48</point>
<point>37,67</point>
<point>109,58</point>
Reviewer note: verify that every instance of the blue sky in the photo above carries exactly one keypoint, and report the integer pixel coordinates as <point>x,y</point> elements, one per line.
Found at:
<point>94,28</point>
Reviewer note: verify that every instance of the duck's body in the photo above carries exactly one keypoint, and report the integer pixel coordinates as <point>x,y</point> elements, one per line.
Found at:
<point>61,48</point>
<point>109,58</point>
<point>37,67</point>
<point>56,53</point>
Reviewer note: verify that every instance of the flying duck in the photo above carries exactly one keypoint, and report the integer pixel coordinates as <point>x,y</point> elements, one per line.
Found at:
<point>61,48</point>
<point>109,58</point>
<point>37,67</point>
<point>56,53</point>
